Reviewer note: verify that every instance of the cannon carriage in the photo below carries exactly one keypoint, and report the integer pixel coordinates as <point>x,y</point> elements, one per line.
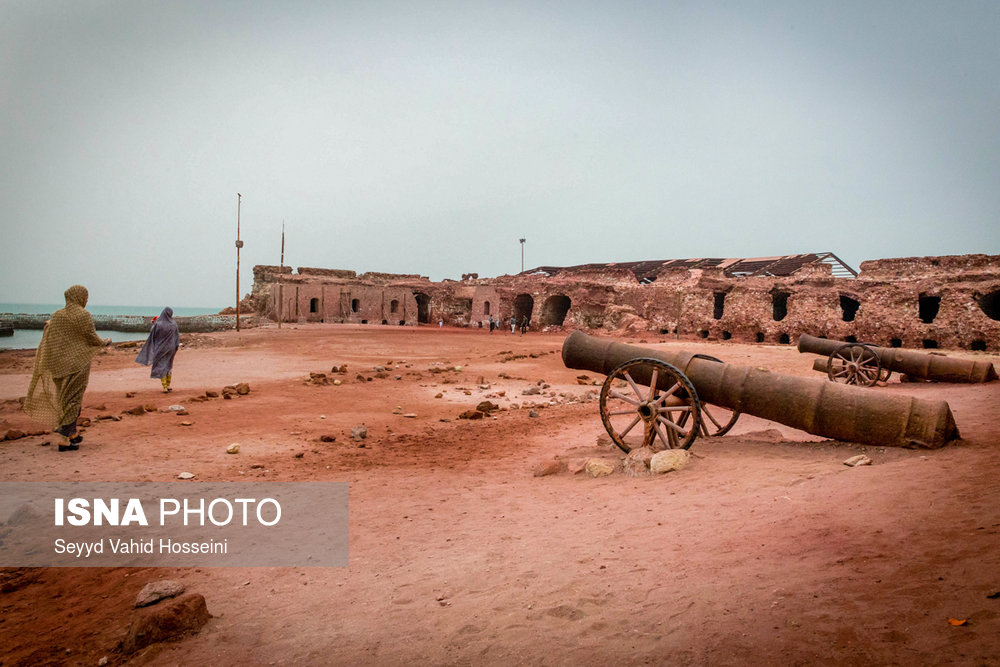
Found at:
<point>865,364</point>
<point>658,398</point>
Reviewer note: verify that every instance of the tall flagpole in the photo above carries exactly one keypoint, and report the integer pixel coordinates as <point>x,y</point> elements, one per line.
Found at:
<point>239,244</point>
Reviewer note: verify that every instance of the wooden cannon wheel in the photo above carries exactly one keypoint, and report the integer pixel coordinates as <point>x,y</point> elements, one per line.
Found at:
<point>717,420</point>
<point>631,399</point>
<point>854,363</point>
<point>884,373</point>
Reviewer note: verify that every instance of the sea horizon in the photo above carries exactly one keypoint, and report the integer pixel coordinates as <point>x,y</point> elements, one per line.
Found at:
<point>28,339</point>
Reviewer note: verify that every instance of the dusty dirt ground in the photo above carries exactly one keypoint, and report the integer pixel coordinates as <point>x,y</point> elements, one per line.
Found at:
<point>766,549</point>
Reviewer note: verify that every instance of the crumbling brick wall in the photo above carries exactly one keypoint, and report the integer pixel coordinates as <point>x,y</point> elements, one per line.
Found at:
<point>948,302</point>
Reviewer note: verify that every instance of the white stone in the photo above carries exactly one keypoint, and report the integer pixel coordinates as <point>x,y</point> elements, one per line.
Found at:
<point>668,460</point>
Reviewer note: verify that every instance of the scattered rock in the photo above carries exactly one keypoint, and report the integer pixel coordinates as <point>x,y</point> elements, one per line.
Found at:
<point>130,394</point>
<point>176,408</point>
<point>439,395</point>
<point>337,383</point>
<point>637,462</point>
<point>859,460</point>
<point>532,391</point>
<point>359,433</point>
<point>487,407</point>
<point>546,468</point>
<point>410,415</point>
<point>170,620</point>
<point>471,414</point>
<point>186,423</point>
<point>533,413</point>
<point>243,389</point>
<point>668,460</point>
<point>599,467</point>
<point>327,438</point>
<point>212,394</point>
<point>155,591</point>
<point>13,434</point>
<point>299,455</point>
<point>233,448</point>
<point>186,475</point>
<point>137,410</point>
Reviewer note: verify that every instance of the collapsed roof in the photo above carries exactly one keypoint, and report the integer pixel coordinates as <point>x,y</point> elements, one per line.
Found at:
<point>646,271</point>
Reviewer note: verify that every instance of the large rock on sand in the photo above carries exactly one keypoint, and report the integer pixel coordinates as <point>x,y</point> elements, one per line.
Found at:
<point>668,460</point>
<point>168,620</point>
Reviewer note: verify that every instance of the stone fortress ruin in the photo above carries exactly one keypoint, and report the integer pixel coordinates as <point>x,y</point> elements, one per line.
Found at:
<point>917,302</point>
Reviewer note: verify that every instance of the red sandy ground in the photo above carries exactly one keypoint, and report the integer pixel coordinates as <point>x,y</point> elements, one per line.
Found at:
<point>766,549</point>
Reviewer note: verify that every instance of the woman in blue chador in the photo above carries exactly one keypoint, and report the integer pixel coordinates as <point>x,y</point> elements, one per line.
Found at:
<point>160,348</point>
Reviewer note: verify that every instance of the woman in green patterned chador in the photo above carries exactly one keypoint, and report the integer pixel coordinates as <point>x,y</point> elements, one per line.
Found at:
<point>62,368</point>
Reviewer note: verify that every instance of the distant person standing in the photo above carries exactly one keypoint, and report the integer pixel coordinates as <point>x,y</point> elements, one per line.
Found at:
<point>160,348</point>
<point>62,368</point>
<point>493,324</point>
<point>524,324</point>
<point>513,323</point>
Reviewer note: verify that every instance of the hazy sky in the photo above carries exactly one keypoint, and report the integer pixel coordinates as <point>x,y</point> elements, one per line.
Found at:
<point>427,137</point>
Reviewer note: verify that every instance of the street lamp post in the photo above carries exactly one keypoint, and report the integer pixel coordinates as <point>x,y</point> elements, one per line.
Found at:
<point>522,255</point>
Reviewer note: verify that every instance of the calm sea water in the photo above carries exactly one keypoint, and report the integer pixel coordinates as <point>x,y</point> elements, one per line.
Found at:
<point>25,339</point>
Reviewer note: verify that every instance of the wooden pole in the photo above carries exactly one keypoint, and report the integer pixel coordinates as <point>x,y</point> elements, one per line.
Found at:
<point>239,244</point>
<point>281,268</point>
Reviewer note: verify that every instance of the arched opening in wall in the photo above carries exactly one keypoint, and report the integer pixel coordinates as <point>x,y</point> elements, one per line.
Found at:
<point>759,337</point>
<point>851,339</point>
<point>978,345</point>
<point>554,310</point>
<point>355,305</point>
<point>726,335</point>
<point>990,304</point>
<point>394,306</point>
<point>896,342</point>
<point>779,305</point>
<point>314,305</point>
<point>720,305</point>
<point>385,321</point>
<point>930,344</point>
<point>664,331</point>
<point>423,307</point>
<point>929,306</point>
<point>465,308</point>
<point>703,333</point>
<point>784,339</point>
<point>486,308</point>
<point>523,305</point>
<point>848,307</point>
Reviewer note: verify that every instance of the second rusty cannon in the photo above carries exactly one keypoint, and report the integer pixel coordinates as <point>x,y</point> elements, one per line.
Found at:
<point>865,364</point>
<point>657,388</point>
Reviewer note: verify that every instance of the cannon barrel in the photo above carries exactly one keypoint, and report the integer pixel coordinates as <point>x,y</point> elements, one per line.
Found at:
<point>934,367</point>
<point>815,406</point>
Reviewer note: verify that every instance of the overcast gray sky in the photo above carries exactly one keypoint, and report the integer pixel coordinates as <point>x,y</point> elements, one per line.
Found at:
<point>427,137</point>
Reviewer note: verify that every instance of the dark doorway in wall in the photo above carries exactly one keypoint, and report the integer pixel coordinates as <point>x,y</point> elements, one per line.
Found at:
<point>523,305</point>
<point>720,305</point>
<point>759,337</point>
<point>313,305</point>
<point>930,344</point>
<point>929,306</point>
<point>703,333</point>
<point>779,305</point>
<point>486,308</point>
<point>423,307</point>
<point>726,335</point>
<point>896,342</point>
<point>355,305</point>
<point>554,310</point>
<point>851,339</point>
<point>784,339</point>
<point>978,345</point>
<point>394,306</point>
<point>990,304</point>
<point>848,307</point>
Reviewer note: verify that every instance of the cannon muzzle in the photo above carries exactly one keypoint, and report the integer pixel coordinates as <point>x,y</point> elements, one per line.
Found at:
<point>933,367</point>
<point>815,406</point>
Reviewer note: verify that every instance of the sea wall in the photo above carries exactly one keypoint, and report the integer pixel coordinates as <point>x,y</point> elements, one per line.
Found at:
<point>130,323</point>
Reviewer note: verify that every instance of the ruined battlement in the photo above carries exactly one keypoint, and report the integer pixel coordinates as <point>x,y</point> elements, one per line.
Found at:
<point>917,302</point>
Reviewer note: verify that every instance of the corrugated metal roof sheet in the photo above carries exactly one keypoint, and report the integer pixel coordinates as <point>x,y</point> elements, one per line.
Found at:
<point>647,270</point>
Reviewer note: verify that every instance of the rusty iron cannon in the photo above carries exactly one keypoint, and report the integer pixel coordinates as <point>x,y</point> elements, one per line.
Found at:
<point>865,364</point>
<point>664,393</point>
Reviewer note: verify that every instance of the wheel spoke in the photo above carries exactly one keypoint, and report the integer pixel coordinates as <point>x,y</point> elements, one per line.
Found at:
<point>619,413</point>
<point>629,427</point>
<point>652,383</point>
<point>623,397</point>
<point>635,387</point>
